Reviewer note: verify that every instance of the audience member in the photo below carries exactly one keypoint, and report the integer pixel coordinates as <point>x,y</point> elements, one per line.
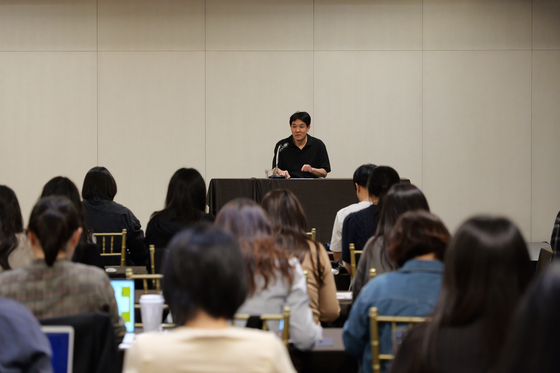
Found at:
<point>15,250</point>
<point>359,226</point>
<point>400,199</point>
<point>555,237</point>
<point>184,205</point>
<point>23,347</point>
<point>51,285</point>
<point>486,272</point>
<point>417,244</point>
<point>274,278</point>
<point>104,215</point>
<point>532,342</point>
<point>86,252</point>
<point>204,284</point>
<point>290,225</point>
<point>360,179</point>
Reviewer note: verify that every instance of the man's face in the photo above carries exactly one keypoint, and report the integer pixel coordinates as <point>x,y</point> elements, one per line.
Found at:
<point>299,129</point>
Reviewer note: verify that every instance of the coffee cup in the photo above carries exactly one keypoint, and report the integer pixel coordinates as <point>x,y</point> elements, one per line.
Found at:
<point>151,308</point>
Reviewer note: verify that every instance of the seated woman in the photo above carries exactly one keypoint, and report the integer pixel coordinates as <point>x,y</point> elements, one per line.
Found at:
<point>51,285</point>
<point>486,272</point>
<point>532,341</point>
<point>290,226</point>
<point>204,283</point>
<point>184,205</point>
<point>86,252</point>
<point>103,215</point>
<point>417,244</point>
<point>274,278</point>
<point>400,199</point>
<point>15,250</point>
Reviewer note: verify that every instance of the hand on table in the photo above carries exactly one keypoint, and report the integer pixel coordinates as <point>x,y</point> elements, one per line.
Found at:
<point>307,168</point>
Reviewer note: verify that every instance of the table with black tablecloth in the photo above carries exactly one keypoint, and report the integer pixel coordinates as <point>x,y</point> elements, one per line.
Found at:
<point>321,198</point>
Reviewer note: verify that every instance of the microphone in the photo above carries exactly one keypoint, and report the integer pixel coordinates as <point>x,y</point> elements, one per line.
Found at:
<point>280,148</point>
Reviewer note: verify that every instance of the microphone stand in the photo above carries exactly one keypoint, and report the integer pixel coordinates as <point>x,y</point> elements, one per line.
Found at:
<point>275,172</point>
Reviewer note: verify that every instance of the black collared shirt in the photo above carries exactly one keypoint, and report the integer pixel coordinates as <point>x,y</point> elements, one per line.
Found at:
<point>292,158</point>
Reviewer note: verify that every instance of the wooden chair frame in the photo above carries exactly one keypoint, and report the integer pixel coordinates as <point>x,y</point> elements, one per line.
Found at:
<point>154,277</point>
<point>272,317</point>
<point>312,235</point>
<point>353,252</point>
<point>374,320</point>
<point>122,254</point>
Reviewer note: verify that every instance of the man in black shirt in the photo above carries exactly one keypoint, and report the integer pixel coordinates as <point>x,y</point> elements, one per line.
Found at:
<point>301,155</point>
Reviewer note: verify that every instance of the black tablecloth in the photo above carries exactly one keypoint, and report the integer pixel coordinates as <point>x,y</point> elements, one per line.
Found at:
<point>320,198</point>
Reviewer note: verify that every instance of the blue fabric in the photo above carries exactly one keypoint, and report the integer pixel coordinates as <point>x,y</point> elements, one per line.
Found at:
<point>23,347</point>
<point>412,290</point>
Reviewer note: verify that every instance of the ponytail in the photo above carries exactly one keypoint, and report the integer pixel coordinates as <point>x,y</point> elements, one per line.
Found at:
<point>53,221</point>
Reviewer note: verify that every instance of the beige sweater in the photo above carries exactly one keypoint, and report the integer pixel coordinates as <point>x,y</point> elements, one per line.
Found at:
<point>322,298</point>
<point>226,350</point>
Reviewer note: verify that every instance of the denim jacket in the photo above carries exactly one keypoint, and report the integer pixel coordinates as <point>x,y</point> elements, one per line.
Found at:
<point>412,290</point>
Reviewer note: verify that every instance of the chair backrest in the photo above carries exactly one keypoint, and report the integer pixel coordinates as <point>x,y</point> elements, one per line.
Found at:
<point>374,320</point>
<point>264,318</point>
<point>95,347</point>
<point>545,258</point>
<point>145,277</point>
<point>353,253</point>
<point>312,235</point>
<point>122,253</point>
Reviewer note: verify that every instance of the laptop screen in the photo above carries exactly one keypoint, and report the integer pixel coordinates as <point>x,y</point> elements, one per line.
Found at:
<point>62,344</point>
<point>124,294</point>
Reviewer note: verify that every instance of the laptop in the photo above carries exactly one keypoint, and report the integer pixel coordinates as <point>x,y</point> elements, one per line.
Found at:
<point>61,338</point>
<point>124,294</point>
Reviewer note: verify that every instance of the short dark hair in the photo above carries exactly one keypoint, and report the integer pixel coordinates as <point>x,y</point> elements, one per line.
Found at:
<point>11,223</point>
<point>54,220</point>
<point>301,115</point>
<point>186,195</point>
<point>361,175</point>
<point>204,270</point>
<point>381,179</point>
<point>99,183</point>
<point>417,233</point>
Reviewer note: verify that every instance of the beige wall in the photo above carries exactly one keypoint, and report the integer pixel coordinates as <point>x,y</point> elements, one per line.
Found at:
<point>462,97</point>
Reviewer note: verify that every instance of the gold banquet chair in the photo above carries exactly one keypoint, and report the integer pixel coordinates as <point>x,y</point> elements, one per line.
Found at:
<point>271,317</point>
<point>312,235</point>
<point>145,277</point>
<point>353,253</point>
<point>111,252</point>
<point>374,320</point>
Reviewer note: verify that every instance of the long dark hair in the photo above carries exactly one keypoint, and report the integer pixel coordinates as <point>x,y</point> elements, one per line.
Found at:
<point>11,223</point>
<point>99,183</point>
<point>249,224</point>
<point>290,225</point>
<point>533,341</point>
<point>53,221</point>
<point>399,199</point>
<point>63,186</point>
<point>487,269</point>
<point>186,195</point>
